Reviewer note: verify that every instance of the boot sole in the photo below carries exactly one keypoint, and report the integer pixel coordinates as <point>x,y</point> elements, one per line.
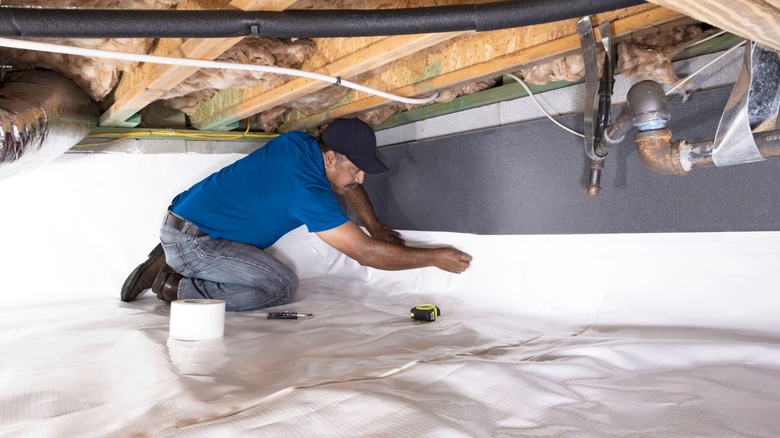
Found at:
<point>127,288</point>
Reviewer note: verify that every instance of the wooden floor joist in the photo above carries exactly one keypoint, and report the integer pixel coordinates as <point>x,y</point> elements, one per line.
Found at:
<point>751,19</point>
<point>229,106</point>
<point>452,59</point>
<point>150,81</point>
<point>465,69</point>
<point>469,52</point>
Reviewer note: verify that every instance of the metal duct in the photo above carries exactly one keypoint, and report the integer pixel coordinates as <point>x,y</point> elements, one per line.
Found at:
<point>126,23</point>
<point>42,114</point>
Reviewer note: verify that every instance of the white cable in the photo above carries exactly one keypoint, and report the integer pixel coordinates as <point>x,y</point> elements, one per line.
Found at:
<point>713,36</point>
<point>199,63</point>
<point>531,95</point>
<point>689,77</point>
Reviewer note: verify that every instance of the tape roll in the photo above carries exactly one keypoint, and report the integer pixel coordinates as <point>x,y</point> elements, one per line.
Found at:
<point>197,320</point>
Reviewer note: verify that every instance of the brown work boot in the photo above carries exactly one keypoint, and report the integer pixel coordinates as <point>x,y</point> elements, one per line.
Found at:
<point>143,275</point>
<point>166,284</point>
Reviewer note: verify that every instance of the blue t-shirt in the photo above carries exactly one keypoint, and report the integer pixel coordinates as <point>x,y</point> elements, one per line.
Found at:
<point>264,195</point>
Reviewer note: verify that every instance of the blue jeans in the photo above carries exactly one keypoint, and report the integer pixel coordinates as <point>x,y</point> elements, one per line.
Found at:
<point>242,275</point>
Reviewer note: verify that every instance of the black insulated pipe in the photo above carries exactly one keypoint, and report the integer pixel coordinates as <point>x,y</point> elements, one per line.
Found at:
<point>135,23</point>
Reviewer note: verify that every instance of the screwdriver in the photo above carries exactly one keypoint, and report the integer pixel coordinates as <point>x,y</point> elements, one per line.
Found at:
<point>287,315</point>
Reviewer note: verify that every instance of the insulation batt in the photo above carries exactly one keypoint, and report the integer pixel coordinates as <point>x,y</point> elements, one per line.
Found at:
<point>644,57</point>
<point>650,57</point>
<point>379,115</point>
<point>257,51</point>
<point>96,76</point>
<point>271,120</point>
<point>267,51</point>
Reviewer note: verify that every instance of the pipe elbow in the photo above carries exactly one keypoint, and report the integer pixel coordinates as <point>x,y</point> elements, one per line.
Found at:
<point>648,105</point>
<point>657,152</point>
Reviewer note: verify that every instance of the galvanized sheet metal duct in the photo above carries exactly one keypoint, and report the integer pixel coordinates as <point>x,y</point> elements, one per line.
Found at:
<point>42,114</point>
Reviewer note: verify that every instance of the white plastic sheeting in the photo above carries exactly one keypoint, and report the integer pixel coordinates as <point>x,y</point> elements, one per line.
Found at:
<point>599,335</point>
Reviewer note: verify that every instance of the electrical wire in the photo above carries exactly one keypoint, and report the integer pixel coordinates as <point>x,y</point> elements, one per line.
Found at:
<point>678,85</point>
<point>689,77</point>
<point>199,63</point>
<point>531,95</point>
<point>713,36</point>
<point>173,133</point>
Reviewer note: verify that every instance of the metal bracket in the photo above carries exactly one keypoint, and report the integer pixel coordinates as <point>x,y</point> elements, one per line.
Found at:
<point>588,43</point>
<point>598,96</point>
<point>606,85</point>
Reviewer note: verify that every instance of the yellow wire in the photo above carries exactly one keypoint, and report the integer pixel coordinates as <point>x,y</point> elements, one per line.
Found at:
<point>174,134</point>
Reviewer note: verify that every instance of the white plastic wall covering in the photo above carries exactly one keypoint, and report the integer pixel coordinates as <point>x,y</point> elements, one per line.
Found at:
<point>677,335</point>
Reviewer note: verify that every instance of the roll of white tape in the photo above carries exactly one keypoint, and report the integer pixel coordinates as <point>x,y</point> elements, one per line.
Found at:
<point>197,320</point>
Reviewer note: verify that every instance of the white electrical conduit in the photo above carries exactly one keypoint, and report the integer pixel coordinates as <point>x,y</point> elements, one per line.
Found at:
<point>199,63</point>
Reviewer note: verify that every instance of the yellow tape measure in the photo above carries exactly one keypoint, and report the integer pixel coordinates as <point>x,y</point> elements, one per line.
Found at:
<point>425,312</point>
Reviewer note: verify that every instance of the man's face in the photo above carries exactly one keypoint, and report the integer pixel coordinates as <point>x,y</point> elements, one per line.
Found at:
<point>341,173</point>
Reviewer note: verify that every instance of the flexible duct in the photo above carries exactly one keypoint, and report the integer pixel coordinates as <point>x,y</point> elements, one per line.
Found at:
<point>42,114</point>
<point>124,23</point>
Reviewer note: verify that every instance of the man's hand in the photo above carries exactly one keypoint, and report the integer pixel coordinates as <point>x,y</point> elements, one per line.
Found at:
<point>452,260</point>
<point>381,254</point>
<point>387,234</point>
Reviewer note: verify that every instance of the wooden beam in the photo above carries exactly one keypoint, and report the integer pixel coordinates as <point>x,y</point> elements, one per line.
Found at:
<point>151,81</point>
<point>757,20</point>
<point>484,55</point>
<point>511,90</point>
<point>232,105</point>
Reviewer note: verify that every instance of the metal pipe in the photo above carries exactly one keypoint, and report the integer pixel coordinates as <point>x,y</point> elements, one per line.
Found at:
<point>645,107</point>
<point>134,23</point>
<point>678,158</point>
<point>695,155</point>
<point>42,114</point>
<point>594,180</point>
<point>768,143</point>
<point>657,152</point>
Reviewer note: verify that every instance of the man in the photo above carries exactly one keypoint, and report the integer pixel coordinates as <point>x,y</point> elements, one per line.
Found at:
<point>215,233</point>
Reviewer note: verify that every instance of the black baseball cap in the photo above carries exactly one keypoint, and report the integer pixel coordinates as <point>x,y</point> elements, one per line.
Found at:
<point>356,140</point>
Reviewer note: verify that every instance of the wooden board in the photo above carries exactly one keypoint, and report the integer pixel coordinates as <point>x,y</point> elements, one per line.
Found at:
<point>751,19</point>
<point>150,81</point>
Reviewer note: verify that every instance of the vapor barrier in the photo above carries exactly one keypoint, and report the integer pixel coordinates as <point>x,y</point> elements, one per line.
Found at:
<point>667,335</point>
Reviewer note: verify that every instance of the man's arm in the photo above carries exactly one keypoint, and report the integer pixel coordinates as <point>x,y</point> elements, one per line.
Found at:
<point>352,241</point>
<point>358,200</point>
